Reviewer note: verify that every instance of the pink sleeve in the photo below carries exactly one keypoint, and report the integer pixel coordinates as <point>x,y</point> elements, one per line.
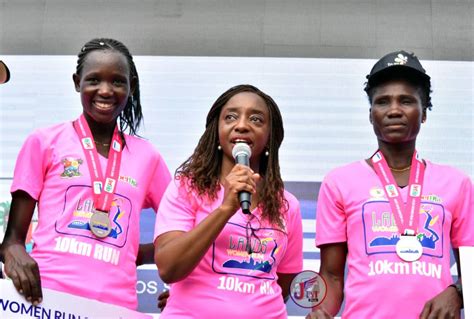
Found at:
<point>292,261</point>
<point>31,166</point>
<point>462,228</point>
<point>176,210</point>
<point>159,181</point>
<point>330,216</point>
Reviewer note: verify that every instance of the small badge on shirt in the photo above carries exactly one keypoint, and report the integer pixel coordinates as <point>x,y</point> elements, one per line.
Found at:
<point>71,167</point>
<point>87,143</point>
<point>391,190</point>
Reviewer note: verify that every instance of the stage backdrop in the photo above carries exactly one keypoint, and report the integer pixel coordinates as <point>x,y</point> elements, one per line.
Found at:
<point>323,104</point>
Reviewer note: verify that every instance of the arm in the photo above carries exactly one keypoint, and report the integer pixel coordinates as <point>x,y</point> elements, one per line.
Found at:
<point>173,256</point>
<point>284,281</point>
<point>333,261</point>
<point>19,265</point>
<point>448,303</point>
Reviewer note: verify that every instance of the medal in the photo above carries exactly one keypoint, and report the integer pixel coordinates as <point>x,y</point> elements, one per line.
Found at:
<point>406,216</point>
<point>100,224</point>
<point>103,187</point>
<point>409,248</point>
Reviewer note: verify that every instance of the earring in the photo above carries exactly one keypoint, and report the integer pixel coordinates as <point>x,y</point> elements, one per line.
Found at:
<point>219,148</point>
<point>267,153</point>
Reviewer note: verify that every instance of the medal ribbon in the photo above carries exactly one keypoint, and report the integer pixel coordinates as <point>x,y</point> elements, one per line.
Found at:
<point>103,189</point>
<point>406,216</point>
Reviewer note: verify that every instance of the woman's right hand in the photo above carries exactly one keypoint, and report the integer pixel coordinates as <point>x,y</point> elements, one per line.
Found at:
<point>319,314</point>
<point>23,270</point>
<point>241,178</point>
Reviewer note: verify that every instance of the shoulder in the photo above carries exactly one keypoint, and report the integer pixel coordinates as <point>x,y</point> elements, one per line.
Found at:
<point>53,133</point>
<point>445,173</point>
<point>291,199</point>
<point>141,148</point>
<point>348,172</point>
<point>54,130</point>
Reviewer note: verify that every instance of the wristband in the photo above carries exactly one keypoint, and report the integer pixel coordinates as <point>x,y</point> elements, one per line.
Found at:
<point>458,287</point>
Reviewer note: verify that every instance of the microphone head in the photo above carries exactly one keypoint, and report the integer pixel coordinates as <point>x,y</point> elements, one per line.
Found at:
<point>241,149</point>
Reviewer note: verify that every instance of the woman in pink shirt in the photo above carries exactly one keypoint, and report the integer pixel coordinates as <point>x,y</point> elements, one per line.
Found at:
<point>223,262</point>
<point>394,217</point>
<point>89,180</point>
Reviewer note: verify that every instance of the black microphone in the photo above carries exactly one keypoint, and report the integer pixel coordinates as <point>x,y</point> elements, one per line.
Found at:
<point>241,153</point>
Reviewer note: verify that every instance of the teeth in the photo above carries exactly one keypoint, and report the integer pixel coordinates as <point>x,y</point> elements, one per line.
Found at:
<point>241,141</point>
<point>102,105</point>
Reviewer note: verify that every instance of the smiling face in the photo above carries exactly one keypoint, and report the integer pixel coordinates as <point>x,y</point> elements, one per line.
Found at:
<point>104,84</point>
<point>244,118</point>
<point>396,112</point>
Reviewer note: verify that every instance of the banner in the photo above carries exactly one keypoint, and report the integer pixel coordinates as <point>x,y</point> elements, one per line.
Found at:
<point>59,305</point>
<point>466,256</point>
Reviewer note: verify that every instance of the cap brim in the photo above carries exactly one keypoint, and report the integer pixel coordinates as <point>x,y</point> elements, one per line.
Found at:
<point>397,71</point>
<point>4,73</point>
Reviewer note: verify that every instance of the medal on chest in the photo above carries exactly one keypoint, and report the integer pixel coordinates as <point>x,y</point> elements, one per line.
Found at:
<point>406,216</point>
<point>103,187</point>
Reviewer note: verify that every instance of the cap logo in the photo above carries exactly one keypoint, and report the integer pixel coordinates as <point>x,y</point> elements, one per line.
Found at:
<point>400,59</point>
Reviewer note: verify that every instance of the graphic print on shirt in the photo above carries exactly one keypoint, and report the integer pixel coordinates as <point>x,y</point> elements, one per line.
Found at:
<point>71,167</point>
<point>381,232</point>
<point>267,244</point>
<point>77,210</point>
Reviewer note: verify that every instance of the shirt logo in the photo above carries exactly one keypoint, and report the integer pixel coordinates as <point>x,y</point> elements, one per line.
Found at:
<point>71,167</point>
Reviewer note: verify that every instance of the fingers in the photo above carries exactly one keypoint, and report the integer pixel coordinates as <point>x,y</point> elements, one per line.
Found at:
<point>25,276</point>
<point>35,282</point>
<point>426,311</point>
<point>162,299</point>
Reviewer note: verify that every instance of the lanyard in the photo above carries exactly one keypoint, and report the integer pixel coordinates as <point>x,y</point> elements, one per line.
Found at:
<point>406,216</point>
<point>103,196</point>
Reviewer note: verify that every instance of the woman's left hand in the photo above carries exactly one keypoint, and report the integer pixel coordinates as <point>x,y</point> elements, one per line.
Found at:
<point>162,299</point>
<point>446,304</point>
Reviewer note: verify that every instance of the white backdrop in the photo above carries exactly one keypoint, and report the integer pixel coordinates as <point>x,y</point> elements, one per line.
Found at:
<point>324,108</point>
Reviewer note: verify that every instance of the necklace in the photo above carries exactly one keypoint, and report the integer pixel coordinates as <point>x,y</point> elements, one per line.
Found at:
<point>400,169</point>
<point>103,144</point>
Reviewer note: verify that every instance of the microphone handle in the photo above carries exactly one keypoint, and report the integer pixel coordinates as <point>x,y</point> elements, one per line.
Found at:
<point>244,197</point>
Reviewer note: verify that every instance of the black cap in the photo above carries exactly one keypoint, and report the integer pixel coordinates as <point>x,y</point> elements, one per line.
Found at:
<point>4,73</point>
<point>398,62</point>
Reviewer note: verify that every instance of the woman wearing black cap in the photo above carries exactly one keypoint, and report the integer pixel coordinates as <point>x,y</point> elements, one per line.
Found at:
<point>394,216</point>
<point>4,73</point>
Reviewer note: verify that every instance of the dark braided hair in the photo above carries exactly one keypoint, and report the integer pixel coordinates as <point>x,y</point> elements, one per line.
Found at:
<point>132,115</point>
<point>203,167</point>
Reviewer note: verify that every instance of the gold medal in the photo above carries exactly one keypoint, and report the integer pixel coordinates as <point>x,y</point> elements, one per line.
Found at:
<point>100,224</point>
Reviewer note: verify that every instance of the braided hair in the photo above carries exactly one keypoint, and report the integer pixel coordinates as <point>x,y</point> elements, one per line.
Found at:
<point>203,167</point>
<point>132,115</point>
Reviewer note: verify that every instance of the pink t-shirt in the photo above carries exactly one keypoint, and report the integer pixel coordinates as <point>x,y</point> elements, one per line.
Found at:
<point>352,208</point>
<point>52,169</point>
<point>228,283</point>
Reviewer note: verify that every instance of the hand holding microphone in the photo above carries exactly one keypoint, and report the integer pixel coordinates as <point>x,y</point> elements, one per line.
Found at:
<point>241,153</point>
